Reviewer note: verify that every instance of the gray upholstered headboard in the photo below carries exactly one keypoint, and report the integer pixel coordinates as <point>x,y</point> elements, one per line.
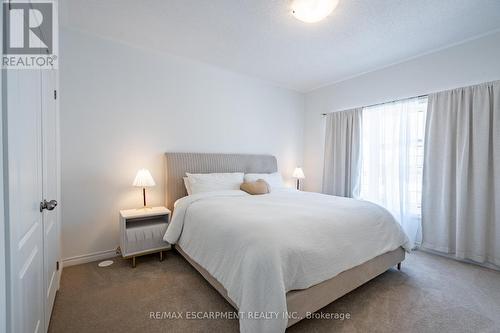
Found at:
<point>177,164</point>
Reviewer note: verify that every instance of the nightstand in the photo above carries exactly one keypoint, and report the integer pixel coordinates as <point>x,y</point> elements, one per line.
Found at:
<point>142,230</point>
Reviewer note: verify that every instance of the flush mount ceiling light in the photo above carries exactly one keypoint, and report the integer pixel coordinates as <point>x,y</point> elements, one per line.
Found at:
<point>311,11</point>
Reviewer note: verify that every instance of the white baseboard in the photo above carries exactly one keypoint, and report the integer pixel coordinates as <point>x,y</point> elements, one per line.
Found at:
<point>85,258</point>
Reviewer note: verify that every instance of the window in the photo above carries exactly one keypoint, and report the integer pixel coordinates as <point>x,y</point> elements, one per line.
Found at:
<point>392,159</point>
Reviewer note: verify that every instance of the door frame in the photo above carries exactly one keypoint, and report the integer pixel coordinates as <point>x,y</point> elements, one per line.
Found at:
<point>3,267</point>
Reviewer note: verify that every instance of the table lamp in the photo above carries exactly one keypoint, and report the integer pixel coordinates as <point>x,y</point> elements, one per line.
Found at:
<point>144,179</point>
<point>298,174</point>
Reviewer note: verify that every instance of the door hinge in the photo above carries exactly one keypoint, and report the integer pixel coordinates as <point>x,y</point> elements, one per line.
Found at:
<point>57,265</point>
<point>55,94</point>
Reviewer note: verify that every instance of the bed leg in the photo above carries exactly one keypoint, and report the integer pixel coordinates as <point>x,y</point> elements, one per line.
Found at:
<point>399,266</point>
<point>161,255</point>
<point>133,262</point>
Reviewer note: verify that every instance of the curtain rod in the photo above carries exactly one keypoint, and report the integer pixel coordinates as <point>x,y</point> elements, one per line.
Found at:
<point>396,100</point>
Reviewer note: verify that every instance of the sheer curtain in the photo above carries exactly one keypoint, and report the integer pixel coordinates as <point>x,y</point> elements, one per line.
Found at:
<point>392,160</point>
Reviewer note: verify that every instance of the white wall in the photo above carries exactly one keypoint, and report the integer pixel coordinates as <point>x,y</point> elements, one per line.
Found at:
<point>462,65</point>
<point>123,107</point>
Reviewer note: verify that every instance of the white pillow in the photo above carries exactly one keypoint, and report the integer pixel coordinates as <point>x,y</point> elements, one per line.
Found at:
<point>273,179</point>
<point>187,185</point>
<point>209,182</point>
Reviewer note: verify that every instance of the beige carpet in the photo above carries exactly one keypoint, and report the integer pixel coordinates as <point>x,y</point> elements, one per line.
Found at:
<point>430,294</point>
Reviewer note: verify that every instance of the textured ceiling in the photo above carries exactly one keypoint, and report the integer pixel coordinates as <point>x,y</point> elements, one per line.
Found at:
<point>261,38</point>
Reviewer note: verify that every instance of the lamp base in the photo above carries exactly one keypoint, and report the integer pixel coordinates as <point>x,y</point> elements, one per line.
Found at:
<point>145,206</point>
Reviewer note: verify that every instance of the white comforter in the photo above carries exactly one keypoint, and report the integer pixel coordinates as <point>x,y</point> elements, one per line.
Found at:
<point>260,247</point>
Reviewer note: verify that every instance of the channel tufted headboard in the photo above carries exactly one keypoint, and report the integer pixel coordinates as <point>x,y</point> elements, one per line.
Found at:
<point>177,164</point>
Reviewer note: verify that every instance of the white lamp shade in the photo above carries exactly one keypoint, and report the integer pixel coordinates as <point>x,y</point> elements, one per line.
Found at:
<point>298,173</point>
<point>144,179</point>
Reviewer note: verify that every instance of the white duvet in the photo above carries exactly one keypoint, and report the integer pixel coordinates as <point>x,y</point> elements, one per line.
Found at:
<point>260,247</point>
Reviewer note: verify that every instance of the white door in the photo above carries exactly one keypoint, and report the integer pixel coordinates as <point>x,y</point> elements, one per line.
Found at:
<point>32,178</point>
<point>50,186</point>
<point>24,192</point>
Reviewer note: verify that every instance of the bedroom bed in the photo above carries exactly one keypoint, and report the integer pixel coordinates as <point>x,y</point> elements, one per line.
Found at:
<point>287,253</point>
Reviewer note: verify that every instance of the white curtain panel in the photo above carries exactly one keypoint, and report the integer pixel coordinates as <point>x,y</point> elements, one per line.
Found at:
<point>461,185</point>
<point>342,164</point>
<point>392,160</point>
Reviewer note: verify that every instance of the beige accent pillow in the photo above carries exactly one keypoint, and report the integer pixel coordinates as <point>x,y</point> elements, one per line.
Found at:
<point>260,186</point>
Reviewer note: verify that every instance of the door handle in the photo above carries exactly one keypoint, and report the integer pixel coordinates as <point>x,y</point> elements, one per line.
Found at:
<point>48,205</point>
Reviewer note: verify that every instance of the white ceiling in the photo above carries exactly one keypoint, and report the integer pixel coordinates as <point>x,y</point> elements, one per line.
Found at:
<point>261,38</point>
